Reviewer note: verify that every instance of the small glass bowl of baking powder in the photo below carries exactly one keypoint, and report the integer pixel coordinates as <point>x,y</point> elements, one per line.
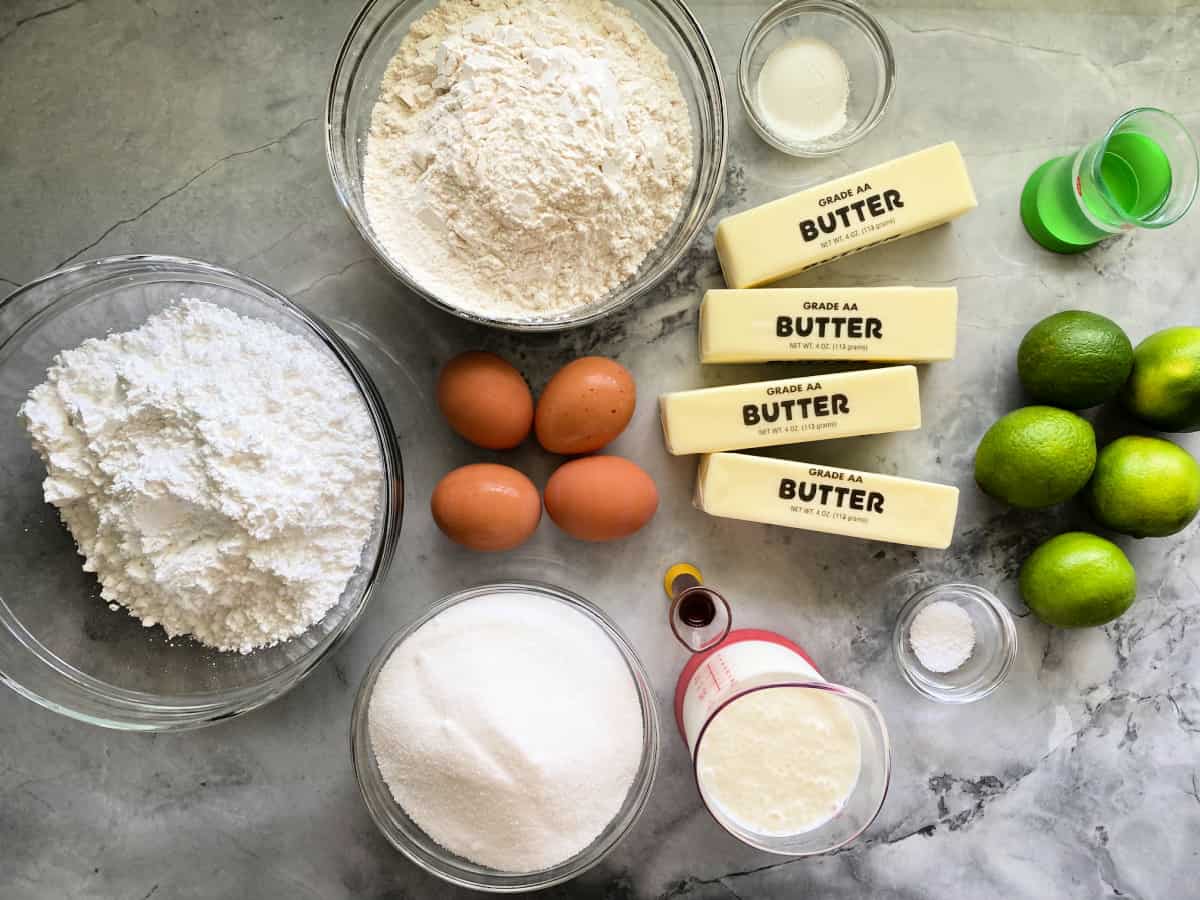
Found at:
<point>943,616</point>
<point>815,76</point>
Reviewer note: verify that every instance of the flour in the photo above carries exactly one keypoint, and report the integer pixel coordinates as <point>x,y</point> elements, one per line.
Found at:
<point>509,728</point>
<point>942,636</point>
<point>220,476</point>
<point>526,155</point>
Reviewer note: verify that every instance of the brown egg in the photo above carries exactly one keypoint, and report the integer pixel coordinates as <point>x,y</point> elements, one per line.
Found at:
<point>600,498</point>
<point>486,507</point>
<point>585,406</point>
<point>485,400</point>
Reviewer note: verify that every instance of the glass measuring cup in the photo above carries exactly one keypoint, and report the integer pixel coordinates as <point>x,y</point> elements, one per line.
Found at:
<point>1142,174</point>
<point>732,678</point>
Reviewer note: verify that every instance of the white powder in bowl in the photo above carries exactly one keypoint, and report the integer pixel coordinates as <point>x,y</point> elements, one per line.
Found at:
<point>509,729</point>
<point>942,636</point>
<point>525,156</point>
<point>803,89</point>
<point>220,475</point>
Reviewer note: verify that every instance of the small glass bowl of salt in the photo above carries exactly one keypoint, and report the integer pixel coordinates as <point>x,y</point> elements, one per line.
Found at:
<point>954,643</point>
<point>815,75</point>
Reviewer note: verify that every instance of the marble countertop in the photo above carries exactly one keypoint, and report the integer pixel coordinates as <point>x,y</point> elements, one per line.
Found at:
<point>194,128</point>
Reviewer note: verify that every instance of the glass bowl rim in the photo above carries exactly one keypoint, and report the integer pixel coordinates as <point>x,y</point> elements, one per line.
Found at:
<point>840,690</point>
<point>708,190</point>
<point>1107,193</point>
<point>136,710</point>
<point>848,11</point>
<point>369,780</point>
<point>1006,648</point>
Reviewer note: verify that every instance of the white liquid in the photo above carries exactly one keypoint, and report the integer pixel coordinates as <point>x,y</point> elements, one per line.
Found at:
<point>780,761</point>
<point>802,89</point>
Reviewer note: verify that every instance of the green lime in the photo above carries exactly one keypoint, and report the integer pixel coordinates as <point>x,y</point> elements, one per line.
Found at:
<point>1036,456</point>
<point>1074,359</point>
<point>1145,486</point>
<point>1164,387</point>
<point>1077,579</point>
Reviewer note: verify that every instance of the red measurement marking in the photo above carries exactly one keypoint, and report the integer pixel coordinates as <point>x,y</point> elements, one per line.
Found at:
<point>1079,185</point>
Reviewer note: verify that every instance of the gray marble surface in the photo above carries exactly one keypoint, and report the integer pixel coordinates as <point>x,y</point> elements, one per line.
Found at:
<point>194,128</point>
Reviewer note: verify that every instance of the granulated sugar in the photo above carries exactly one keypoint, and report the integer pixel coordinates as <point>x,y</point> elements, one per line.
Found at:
<point>509,729</point>
<point>220,475</point>
<point>526,155</point>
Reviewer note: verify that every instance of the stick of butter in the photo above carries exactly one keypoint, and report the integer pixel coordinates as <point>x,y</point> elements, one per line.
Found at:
<point>870,324</point>
<point>820,498</point>
<point>889,201</point>
<point>791,410</point>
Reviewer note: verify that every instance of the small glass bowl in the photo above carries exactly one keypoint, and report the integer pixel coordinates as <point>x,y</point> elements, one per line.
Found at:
<point>407,837</point>
<point>990,661</point>
<point>369,47</point>
<point>60,644</point>
<point>850,30</point>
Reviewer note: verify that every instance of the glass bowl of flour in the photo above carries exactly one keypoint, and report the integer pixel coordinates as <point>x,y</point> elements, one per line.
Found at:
<point>145,410</point>
<point>506,740</point>
<point>530,165</point>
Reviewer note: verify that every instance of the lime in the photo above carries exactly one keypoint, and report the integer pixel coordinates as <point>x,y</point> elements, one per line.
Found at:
<point>1164,387</point>
<point>1074,359</point>
<point>1036,456</point>
<point>1077,579</point>
<point>1145,486</point>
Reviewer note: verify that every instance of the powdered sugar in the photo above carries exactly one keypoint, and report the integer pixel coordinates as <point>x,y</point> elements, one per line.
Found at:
<point>526,155</point>
<point>220,475</point>
<point>509,729</point>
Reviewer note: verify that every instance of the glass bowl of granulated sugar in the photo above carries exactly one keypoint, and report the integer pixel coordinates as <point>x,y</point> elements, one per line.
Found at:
<point>507,740</point>
<point>531,165</point>
<point>201,490</point>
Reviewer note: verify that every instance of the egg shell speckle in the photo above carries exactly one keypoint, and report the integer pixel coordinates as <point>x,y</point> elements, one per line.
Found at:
<point>585,406</point>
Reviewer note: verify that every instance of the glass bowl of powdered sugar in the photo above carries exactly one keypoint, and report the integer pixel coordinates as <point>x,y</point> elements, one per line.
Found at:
<point>200,490</point>
<point>528,164</point>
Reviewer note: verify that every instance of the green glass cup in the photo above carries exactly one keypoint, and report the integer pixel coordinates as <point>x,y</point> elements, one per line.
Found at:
<point>1142,174</point>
